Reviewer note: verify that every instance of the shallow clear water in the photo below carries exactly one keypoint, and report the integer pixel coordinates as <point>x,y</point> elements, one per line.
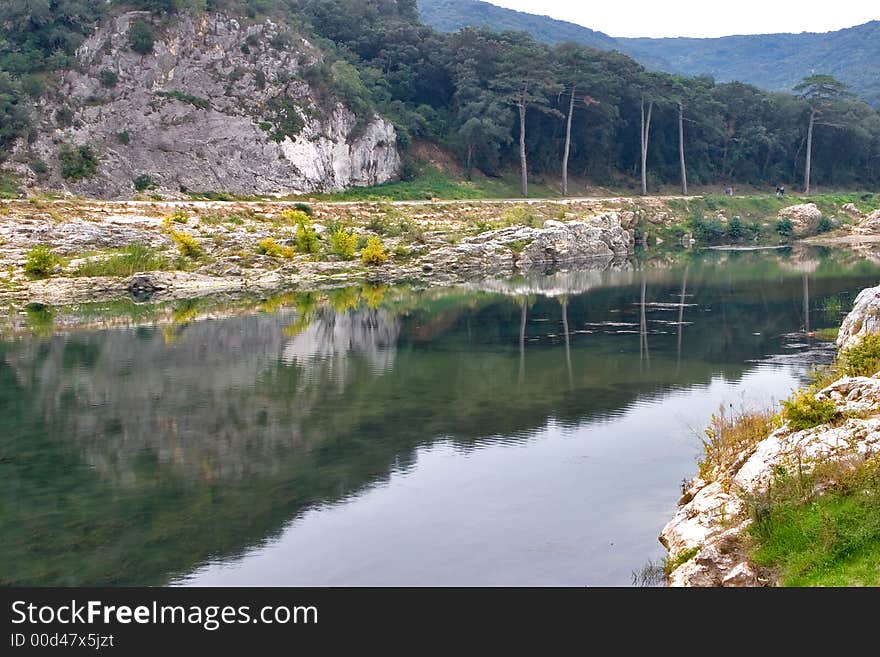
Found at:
<point>530,431</point>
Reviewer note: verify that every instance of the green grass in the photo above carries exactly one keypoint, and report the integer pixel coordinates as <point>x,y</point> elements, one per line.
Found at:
<point>863,359</point>
<point>9,186</point>
<point>828,334</point>
<point>136,258</point>
<point>670,565</point>
<point>832,540</point>
<point>433,183</point>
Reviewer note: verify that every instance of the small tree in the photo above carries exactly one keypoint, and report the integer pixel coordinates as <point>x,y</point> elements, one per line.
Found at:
<point>822,93</point>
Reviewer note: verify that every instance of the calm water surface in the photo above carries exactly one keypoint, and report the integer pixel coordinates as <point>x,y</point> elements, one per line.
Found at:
<point>529,431</point>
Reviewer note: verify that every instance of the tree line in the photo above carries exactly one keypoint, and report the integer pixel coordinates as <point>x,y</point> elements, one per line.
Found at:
<point>503,100</point>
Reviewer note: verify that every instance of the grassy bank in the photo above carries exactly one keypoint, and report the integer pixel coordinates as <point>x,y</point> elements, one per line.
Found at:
<point>829,540</point>
<point>810,528</point>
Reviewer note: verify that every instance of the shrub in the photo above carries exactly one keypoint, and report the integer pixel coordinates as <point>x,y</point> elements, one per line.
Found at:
<point>307,240</point>
<point>273,249</point>
<point>140,38</point>
<point>672,564</point>
<point>862,359</point>
<point>374,252</point>
<point>108,78</point>
<point>824,225</point>
<point>39,167</point>
<point>343,243</point>
<point>183,97</point>
<point>64,117</point>
<point>707,231</point>
<point>123,137</point>
<point>736,231</point>
<point>176,217</point>
<point>187,245</point>
<point>40,261</point>
<point>78,162</point>
<point>296,217</point>
<point>804,411</point>
<point>304,208</point>
<point>784,227</point>
<point>285,117</point>
<point>728,435</point>
<point>143,182</point>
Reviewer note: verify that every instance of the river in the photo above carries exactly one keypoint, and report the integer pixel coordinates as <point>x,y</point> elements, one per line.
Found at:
<point>528,431</point>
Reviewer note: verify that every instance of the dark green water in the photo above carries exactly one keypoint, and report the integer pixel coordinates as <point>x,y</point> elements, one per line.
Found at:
<point>512,432</point>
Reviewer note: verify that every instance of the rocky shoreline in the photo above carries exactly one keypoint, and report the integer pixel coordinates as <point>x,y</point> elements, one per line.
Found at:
<point>434,245</point>
<point>707,538</point>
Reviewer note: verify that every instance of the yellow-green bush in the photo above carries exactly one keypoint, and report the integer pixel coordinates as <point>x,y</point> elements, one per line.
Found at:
<point>296,217</point>
<point>40,261</point>
<point>804,411</point>
<point>343,243</point>
<point>176,217</point>
<point>273,249</point>
<point>307,240</point>
<point>186,244</point>
<point>374,252</point>
<point>862,359</point>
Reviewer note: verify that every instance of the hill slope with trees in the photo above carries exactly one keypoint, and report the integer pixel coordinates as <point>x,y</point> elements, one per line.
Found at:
<point>500,102</point>
<point>776,62</point>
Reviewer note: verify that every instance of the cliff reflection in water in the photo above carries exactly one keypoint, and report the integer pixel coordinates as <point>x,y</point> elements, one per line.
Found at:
<point>132,456</point>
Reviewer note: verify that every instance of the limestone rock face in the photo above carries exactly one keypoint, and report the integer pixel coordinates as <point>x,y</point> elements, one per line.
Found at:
<point>863,319</point>
<point>523,247</point>
<point>218,106</point>
<point>870,224</point>
<point>805,218</point>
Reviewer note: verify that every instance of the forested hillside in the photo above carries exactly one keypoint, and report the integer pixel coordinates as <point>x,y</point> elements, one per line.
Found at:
<point>776,62</point>
<point>497,100</point>
<point>772,61</point>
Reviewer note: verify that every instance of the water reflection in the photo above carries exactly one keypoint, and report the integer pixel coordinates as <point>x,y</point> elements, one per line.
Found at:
<point>529,414</point>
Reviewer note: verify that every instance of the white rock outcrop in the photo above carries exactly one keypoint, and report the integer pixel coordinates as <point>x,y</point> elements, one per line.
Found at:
<point>706,532</point>
<point>870,224</point>
<point>805,218</point>
<point>863,319</point>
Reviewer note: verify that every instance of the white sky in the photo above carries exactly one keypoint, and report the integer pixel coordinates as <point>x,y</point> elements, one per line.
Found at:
<point>703,18</point>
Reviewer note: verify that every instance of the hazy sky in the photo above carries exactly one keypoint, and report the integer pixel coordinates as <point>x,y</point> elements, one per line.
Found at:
<point>703,17</point>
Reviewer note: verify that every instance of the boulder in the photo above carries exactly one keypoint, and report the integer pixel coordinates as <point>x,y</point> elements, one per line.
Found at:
<point>863,319</point>
<point>805,218</point>
<point>870,224</point>
<point>851,210</point>
<point>524,247</point>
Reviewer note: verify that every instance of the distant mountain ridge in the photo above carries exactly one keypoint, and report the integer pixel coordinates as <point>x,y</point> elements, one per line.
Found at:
<point>771,61</point>
<point>452,15</point>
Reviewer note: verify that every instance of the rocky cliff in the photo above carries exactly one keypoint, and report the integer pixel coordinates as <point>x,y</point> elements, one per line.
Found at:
<point>217,105</point>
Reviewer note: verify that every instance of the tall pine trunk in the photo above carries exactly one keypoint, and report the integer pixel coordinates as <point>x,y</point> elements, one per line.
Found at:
<point>809,152</point>
<point>567,143</point>
<point>524,171</point>
<point>646,134</point>
<point>684,175</point>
